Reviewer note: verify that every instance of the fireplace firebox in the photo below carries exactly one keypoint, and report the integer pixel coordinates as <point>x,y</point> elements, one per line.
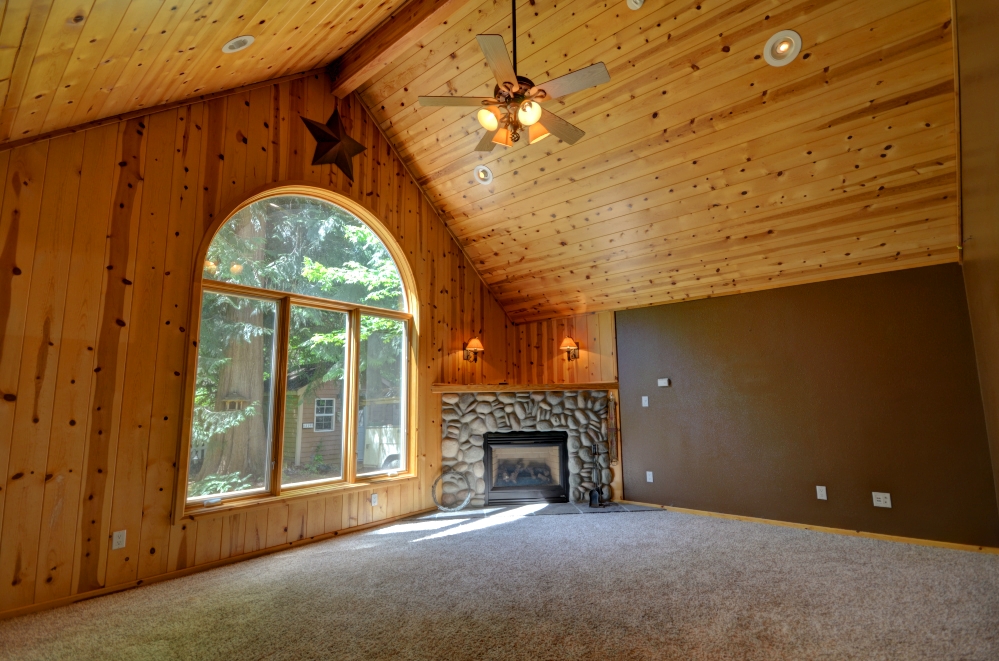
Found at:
<point>526,467</point>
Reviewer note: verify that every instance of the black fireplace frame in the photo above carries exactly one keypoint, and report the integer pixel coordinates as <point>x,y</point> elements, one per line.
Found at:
<point>535,494</point>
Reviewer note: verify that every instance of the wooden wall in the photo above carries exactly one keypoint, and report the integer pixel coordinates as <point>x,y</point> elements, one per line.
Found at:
<point>529,351</point>
<point>100,230</point>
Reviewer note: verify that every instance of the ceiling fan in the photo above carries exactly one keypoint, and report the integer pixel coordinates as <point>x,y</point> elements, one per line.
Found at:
<point>515,106</point>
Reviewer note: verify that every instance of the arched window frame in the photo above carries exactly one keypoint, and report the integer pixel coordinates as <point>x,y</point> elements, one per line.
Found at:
<point>284,300</point>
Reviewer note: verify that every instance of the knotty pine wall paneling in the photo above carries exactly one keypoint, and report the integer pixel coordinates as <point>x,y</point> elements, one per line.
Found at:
<point>100,232</point>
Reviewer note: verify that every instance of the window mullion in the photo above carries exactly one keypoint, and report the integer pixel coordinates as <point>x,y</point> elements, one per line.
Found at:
<point>280,394</point>
<point>351,401</point>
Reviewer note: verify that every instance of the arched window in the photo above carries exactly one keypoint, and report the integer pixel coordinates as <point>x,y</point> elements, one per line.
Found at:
<point>303,352</point>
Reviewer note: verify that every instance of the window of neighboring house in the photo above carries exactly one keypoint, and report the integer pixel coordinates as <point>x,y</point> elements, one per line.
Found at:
<point>299,297</point>
<point>325,415</point>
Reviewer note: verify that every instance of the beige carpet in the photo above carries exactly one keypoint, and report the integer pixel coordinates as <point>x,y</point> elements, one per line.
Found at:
<point>625,585</point>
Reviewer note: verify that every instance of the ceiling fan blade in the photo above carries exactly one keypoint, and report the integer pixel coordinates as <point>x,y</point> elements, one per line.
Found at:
<point>591,76</point>
<point>455,101</point>
<point>497,57</point>
<point>560,128</point>
<point>486,143</point>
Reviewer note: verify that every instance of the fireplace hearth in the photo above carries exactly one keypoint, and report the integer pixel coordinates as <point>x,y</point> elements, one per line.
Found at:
<point>526,467</point>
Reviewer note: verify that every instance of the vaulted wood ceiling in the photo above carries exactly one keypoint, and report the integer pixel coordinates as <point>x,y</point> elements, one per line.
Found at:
<point>704,171</point>
<point>68,63</point>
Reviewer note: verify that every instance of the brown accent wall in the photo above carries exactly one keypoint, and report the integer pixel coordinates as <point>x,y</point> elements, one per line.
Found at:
<point>977,27</point>
<point>859,385</point>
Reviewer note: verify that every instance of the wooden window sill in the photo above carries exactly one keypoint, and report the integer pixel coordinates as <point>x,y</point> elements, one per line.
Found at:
<point>249,502</point>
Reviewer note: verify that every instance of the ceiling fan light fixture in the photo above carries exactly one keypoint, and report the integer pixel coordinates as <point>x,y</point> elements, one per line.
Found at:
<point>487,119</point>
<point>529,113</point>
<point>536,133</point>
<point>782,48</point>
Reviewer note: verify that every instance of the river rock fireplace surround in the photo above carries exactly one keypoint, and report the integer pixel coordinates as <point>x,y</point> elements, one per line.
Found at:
<point>583,417</point>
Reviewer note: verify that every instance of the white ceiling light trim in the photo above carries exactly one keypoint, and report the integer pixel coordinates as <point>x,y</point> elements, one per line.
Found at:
<point>238,44</point>
<point>483,175</point>
<point>782,48</point>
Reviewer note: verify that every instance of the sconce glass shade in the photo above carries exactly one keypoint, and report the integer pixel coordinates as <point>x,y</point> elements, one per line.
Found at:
<point>472,350</point>
<point>529,113</point>
<point>570,348</point>
<point>487,118</point>
<point>536,133</point>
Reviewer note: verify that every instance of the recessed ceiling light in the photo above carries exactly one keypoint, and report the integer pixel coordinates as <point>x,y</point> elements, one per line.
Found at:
<point>238,44</point>
<point>782,48</point>
<point>483,175</point>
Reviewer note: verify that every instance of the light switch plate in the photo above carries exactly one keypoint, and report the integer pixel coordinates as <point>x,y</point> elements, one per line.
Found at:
<point>645,401</point>
<point>118,540</point>
<point>374,500</point>
<point>664,383</point>
<point>881,499</point>
<point>648,476</point>
<point>820,493</point>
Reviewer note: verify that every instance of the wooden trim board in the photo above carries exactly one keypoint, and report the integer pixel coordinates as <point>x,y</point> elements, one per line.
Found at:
<point>835,531</point>
<point>72,599</point>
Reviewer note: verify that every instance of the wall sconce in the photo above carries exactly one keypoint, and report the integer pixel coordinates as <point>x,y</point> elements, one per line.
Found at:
<point>472,349</point>
<point>570,348</point>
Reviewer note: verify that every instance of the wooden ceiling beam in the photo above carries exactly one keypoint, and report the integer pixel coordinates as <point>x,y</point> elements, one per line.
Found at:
<point>402,29</point>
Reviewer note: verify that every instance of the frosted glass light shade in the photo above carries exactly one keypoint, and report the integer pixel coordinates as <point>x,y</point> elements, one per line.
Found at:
<point>536,133</point>
<point>502,137</point>
<point>529,113</point>
<point>487,119</point>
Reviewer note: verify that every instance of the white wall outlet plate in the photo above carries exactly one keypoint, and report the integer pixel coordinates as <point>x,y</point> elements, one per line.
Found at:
<point>820,493</point>
<point>664,383</point>
<point>374,499</point>
<point>648,476</point>
<point>881,499</point>
<point>118,540</point>
<point>645,401</point>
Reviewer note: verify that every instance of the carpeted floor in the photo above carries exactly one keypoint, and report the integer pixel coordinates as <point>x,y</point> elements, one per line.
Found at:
<point>618,585</point>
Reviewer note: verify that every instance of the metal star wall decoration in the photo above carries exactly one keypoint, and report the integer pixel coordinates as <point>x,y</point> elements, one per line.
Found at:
<point>333,145</point>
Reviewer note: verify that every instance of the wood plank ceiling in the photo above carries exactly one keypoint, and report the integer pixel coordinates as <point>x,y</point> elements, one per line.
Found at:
<point>704,171</point>
<point>64,63</point>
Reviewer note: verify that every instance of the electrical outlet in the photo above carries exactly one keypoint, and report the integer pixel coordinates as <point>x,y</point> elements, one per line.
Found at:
<point>820,493</point>
<point>881,499</point>
<point>648,476</point>
<point>374,500</point>
<point>664,383</point>
<point>645,401</point>
<point>117,540</point>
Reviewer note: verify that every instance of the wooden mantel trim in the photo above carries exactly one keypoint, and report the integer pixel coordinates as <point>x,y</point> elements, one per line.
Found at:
<point>504,387</point>
<point>402,29</point>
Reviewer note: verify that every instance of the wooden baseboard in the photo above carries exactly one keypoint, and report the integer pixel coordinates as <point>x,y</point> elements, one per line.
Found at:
<point>72,599</point>
<point>835,531</point>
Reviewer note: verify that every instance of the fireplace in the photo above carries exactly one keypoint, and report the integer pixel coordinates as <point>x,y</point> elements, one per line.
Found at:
<point>526,467</point>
